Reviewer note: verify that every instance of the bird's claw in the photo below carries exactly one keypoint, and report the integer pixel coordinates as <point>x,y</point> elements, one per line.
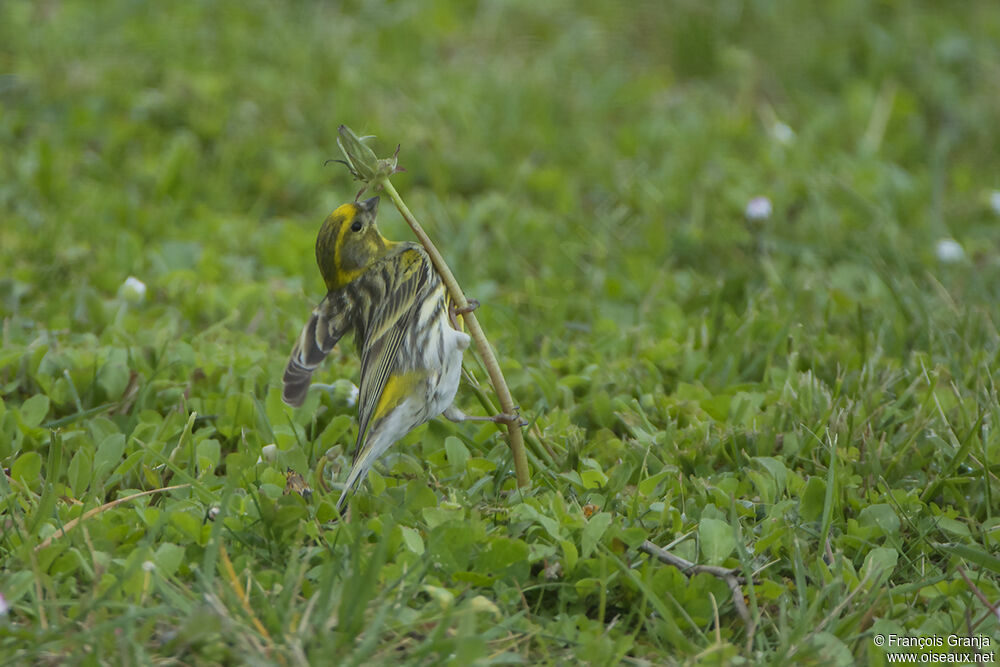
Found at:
<point>454,311</point>
<point>511,419</point>
<point>470,306</point>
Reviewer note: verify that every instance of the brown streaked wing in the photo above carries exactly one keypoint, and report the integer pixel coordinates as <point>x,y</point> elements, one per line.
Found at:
<point>405,275</point>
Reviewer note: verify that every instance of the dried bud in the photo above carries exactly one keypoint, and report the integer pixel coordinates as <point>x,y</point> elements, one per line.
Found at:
<point>361,160</point>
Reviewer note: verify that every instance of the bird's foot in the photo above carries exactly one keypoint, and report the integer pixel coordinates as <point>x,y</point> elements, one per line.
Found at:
<point>510,419</point>
<point>454,311</point>
<point>470,306</point>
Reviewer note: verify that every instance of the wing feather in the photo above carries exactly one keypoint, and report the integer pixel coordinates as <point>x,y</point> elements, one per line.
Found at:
<point>405,276</point>
<point>328,323</point>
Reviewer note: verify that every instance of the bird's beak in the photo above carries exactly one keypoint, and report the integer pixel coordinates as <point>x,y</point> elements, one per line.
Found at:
<point>369,205</point>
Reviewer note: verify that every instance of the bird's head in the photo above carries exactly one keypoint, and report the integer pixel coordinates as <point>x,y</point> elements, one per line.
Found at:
<point>349,242</point>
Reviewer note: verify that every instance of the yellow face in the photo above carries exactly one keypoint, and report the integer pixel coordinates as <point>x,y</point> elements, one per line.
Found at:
<point>348,243</point>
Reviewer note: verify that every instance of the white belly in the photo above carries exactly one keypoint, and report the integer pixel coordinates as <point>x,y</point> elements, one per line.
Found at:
<point>443,359</point>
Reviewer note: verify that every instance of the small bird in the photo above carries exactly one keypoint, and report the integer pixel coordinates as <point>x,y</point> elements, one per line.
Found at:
<point>389,294</point>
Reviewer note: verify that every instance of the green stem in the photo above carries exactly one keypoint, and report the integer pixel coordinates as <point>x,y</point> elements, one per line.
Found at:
<point>514,436</point>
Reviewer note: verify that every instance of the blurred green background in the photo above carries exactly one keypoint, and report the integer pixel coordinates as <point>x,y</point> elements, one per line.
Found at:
<point>565,151</point>
<point>585,168</point>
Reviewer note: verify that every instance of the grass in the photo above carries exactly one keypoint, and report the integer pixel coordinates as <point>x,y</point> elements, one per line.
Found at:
<point>808,398</point>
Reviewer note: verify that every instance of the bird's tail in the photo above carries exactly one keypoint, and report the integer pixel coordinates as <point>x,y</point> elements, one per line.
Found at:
<point>359,471</point>
<point>370,447</point>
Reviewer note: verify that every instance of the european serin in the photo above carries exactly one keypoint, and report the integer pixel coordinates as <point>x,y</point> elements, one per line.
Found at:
<point>390,296</point>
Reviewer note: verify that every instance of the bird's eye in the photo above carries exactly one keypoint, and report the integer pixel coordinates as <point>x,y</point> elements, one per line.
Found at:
<point>356,227</point>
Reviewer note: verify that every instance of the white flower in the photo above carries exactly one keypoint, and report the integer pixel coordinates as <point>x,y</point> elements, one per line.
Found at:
<point>352,395</point>
<point>269,452</point>
<point>758,208</point>
<point>995,201</point>
<point>340,390</point>
<point>782,133</point>
<point>133,290</point>
<point>148,566</point>
<point>949,251</point>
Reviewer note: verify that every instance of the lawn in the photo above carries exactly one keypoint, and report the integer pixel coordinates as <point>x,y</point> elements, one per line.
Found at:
<point>740,263</point>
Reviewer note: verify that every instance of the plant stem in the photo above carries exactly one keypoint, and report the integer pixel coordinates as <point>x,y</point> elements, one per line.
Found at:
<point>514,436</point>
